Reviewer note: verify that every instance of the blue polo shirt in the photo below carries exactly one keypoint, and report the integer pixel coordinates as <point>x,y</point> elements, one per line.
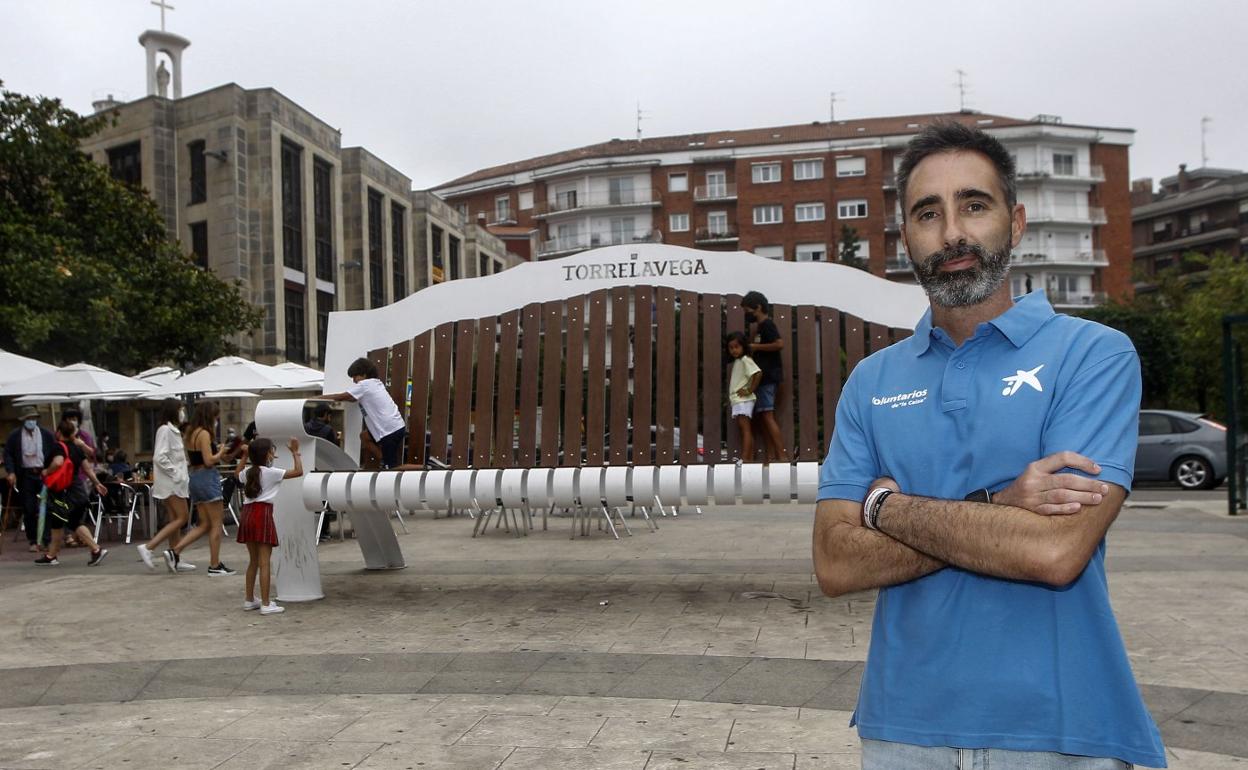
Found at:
<point>962,659</point>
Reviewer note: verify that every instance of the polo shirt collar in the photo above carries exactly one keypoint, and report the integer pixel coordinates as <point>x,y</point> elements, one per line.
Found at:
<point>1018,324</point>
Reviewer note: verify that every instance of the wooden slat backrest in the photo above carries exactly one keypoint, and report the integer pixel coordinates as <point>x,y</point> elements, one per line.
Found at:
<point>399,374</point>
<point>783,315</point>
<point>714,398</point>
<point>688,376</point>
<point>643,373</point>
<point>665,375</point>
<point>829,369</point>
<point>530,359</point>
<point>618,406</point>
<point>505,408</point>
<point>805,377</point>
<point>552,381</point>
<point>461,415</point>
<point>418,416</point>
<point>596,380</point>
<point>855,344</point>
<point>734,321</point>
<point>483,417</point>
<point>440,395</point>
<point>877,337</point>
<point>574,371</point>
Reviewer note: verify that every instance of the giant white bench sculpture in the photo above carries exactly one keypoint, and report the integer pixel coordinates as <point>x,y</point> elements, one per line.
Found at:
<point>595,382</point>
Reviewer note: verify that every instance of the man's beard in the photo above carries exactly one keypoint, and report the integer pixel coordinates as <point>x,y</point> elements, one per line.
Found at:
<point>962,288</point>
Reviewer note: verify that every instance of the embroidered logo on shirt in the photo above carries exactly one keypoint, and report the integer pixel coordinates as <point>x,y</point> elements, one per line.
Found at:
<point>1021,378</point>
<point>913,398</point>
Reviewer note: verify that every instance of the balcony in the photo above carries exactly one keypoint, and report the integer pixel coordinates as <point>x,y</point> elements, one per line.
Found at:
<point>1092,215</point>
<point>1090,257</point>
<point>897,264</point>
<point>501,218</point>
<point>890,180</point>
<point>1092,174</point>
<point>892,224</point>
<point>1075,299</point>
<point>1207,233</point>
<point>575,201</point>
<point>582,241</point>
<point>725,234</point>
<point>715,192</point>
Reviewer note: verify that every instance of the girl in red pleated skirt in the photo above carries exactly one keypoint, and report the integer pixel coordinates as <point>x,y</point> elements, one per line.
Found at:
<point>261,482</point>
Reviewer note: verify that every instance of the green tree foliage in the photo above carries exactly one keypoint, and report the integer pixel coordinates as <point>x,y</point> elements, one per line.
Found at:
<point>87,272</point>
<point>1177,330</point>
<point>849,249</point>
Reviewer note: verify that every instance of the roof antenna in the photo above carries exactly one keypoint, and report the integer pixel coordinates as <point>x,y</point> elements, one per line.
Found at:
<point>962,89</point>
<point>832,106</point>
<point>1204,129</point>
<point>640,117</point>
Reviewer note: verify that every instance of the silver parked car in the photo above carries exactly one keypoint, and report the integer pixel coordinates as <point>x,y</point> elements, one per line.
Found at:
<point>1184,447</point>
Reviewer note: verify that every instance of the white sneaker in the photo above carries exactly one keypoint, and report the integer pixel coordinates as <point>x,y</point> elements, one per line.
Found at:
<point>185,566</point>
<point>251,604</point>
<point>145,554</point>
<point>272,608</point>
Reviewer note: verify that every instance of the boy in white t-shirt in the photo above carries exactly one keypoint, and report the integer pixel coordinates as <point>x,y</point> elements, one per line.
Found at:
<point>381,415</point>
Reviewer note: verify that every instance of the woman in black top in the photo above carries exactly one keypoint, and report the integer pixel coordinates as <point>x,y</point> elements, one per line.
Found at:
<point>203,456</point>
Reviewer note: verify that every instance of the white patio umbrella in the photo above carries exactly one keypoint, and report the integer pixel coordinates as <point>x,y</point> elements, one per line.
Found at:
<point>311,378</point>
<point>76,380</point>
<point>14,368</point>
<point>230,373</point>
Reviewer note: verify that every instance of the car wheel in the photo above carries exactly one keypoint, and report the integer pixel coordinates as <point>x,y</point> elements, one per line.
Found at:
<point>1193,472</point>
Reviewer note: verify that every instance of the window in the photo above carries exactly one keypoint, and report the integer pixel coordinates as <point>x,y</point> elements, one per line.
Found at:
<point>765,173</point>
<point>811,252</point>
<point>1063,164</point>
<point>499,266</point>
<point>483,264</point>
<point>462,208</point>
<point>324,306</point>
<point>851,166</point>
<point>398,248</point>
<point>770,252</point>
<point>808,169</point>
<point>678,183</point>
<point>296,341</point>
<point>623,230</point>
<point>376,280</point>
<point>620,190</point>
<point>126,165</point>
<point>565,199</point>
<point>436,263</point>
<point>864,249</point>
<point>199,172</point>
<point>292,205</point>
<point>502,208</point>
<point>526,200</point>
<point>852,209</point>
<point>453,256</point>
<point>716,184</point>
<point>199,243</point>
<point>808,212</point>
<point>323,218</point>
<point>717,223</point>
<point>678,223</point>
<point>768,215</point>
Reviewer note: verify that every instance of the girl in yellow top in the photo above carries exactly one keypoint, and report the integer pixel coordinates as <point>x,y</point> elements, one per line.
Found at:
<point>741,384</point>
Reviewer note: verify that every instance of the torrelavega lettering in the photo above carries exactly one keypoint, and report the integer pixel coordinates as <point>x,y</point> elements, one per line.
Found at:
<point>638,269</point>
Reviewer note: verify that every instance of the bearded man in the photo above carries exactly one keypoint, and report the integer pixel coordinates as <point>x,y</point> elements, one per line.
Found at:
<point>973,473</point>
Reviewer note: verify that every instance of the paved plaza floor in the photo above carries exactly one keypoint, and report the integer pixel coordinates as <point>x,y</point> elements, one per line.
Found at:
<point>655,651</point>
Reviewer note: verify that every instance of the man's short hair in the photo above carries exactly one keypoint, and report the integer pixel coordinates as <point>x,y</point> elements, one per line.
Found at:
<point>362,367</point>
<point>756,299</point>
<point>321,410</point>
<point>949,136</point>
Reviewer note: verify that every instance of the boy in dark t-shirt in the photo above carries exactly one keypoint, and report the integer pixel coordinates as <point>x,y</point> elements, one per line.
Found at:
<point>66,508</point>
<point>766,345</point>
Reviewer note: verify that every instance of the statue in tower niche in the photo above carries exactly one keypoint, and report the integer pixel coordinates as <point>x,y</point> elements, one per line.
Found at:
<point>162,81</point>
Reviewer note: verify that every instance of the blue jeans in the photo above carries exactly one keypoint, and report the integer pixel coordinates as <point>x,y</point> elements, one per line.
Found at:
<point>886,755</point>
<point>766,397</point>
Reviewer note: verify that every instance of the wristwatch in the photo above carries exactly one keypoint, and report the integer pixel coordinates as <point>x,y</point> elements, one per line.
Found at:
<point>979,496</point>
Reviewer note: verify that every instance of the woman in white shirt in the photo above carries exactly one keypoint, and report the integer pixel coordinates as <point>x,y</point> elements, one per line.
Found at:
<point>257,530</point>
<point>381,415</point>
<point>170,481</point>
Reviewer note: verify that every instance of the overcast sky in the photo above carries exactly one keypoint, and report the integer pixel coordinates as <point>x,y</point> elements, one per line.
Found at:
<point>442,89</point>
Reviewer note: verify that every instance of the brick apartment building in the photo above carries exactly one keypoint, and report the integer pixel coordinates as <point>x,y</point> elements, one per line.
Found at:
<point>788,193</point>
<point>1204,210</point>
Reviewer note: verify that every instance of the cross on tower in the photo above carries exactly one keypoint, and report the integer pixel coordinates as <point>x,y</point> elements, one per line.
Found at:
<point>163,6</point>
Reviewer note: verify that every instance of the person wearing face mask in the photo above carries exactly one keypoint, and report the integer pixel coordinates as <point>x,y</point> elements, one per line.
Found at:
<point>170,483</point>
<point>25,451</point>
